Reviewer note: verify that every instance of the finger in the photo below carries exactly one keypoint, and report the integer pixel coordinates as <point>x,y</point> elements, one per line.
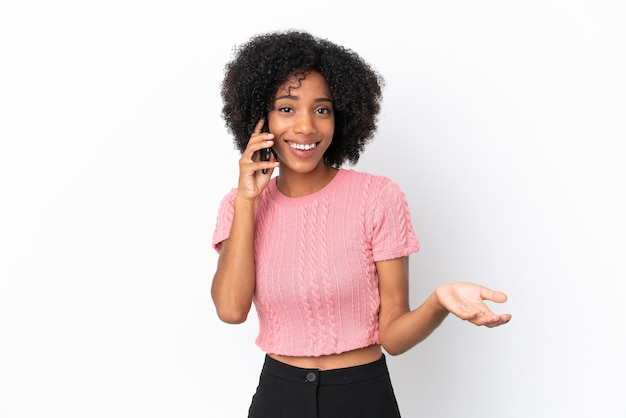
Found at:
<point>485,319</point>
<point>258,133</point>
<point>493,320</point>
<point>269,167</point>
<point>251,154</point>
<point>504,318</point>
<point>493,295</point>
<point>252,164</point>
<point>260,140</point>
<point>259,127</point>
<point>261,147</point>
<point>469,314</point>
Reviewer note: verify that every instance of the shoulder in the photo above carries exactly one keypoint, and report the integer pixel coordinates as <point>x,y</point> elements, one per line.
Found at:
<point>371,182</point>
<point>229,197</point>
<point>228,200</point>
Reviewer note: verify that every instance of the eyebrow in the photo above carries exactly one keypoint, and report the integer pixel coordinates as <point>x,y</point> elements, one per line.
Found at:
<point>291,97</point>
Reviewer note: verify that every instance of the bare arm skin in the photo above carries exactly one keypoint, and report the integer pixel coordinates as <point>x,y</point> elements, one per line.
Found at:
<point>401,328</point>
<point>233,284</point>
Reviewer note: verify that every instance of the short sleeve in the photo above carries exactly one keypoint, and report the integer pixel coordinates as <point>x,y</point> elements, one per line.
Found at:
<point>224,220</point>
<point>393,234</point>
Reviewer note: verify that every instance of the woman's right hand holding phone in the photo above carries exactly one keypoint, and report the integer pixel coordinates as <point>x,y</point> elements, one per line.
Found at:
<point>234,281</point>
<point>252,180</point>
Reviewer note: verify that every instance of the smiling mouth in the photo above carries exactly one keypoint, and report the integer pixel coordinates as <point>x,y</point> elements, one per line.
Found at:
<point>303,147</point>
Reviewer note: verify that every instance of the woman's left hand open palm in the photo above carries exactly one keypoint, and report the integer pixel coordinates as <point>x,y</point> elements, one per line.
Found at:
<point>466,300</point>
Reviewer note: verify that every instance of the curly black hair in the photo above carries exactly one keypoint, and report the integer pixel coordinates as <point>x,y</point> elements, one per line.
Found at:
<point>262,64</point>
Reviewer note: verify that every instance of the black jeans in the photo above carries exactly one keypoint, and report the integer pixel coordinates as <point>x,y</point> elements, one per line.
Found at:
<point>362,391</point>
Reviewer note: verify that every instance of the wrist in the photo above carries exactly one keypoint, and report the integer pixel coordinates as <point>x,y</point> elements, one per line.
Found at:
<point>245,207</point>
<point>436,302</point>
<point>244,201</point>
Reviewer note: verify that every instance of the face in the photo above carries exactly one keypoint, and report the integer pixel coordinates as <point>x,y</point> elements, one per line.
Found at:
<point>303,122</point>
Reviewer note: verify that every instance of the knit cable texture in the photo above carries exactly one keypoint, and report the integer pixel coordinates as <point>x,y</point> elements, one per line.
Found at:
<point>316,283</point>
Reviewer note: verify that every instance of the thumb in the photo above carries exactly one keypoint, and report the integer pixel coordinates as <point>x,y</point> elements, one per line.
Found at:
<point>493,295</point>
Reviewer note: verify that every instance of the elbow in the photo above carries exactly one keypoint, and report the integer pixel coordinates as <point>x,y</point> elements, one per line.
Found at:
<point>393,350</point>
<point>231,310</point>
<point>393,345</point>
<point>232,316</point>
<point>232,319</point>
<point>393,353</point>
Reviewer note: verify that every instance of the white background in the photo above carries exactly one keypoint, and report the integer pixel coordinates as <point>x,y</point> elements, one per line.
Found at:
<point>502,121</point>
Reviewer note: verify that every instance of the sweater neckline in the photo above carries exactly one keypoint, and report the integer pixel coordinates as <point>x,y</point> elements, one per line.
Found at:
<point>282,199</point>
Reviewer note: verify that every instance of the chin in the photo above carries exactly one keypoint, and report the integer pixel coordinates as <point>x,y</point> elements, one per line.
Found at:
<point>308,168</point>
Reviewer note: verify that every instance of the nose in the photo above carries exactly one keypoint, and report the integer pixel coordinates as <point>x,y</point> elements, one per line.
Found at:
<point>304,123</point>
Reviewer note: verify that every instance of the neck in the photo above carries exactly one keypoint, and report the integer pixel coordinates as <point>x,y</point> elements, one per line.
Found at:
<point>293,184</point>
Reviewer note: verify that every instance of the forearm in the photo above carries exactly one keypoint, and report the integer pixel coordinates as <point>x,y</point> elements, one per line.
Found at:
<point>404,330</point>
<point>233,284</point>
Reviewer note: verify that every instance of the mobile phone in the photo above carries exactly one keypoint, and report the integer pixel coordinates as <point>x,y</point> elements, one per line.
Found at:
<point>265,152</point>
<point>265,156</point>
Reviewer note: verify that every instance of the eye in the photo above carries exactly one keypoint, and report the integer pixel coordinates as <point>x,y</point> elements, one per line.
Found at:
<point>324,111</point>
<point>285,109</point>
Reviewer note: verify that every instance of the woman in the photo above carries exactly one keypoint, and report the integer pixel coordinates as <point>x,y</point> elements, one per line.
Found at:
<point>321,251</point>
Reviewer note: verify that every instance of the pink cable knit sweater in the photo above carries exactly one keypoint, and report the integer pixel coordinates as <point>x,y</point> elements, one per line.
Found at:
<point>316,283</point>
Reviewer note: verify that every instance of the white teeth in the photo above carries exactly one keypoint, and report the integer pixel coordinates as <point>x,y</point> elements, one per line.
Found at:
<point>303,147</point>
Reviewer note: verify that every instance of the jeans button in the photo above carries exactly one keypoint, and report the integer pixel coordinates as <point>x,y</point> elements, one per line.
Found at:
<point>311,377</point>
